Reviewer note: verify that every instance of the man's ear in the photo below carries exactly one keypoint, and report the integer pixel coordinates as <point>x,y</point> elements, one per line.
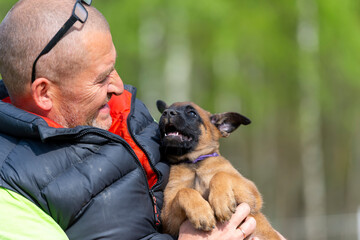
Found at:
<point>228,122</point>
<point>161,105</point>
<point>40,90</point>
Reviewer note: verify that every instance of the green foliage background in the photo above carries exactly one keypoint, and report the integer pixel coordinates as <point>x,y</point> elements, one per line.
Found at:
<point>246,56</point>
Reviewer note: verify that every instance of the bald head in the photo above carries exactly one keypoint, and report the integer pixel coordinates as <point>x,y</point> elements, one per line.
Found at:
<point>26,30</point>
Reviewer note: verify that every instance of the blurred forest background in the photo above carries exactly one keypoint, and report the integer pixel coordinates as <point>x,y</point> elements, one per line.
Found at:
<point>291,66</point>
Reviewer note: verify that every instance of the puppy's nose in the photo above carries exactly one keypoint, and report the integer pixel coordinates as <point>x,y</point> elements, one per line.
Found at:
<point>169,113</point>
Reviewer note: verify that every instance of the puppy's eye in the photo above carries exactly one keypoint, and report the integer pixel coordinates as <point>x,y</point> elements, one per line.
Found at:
<point>192,113</point>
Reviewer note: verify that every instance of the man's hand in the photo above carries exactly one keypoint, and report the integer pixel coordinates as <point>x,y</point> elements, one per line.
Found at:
<point>226,231</point>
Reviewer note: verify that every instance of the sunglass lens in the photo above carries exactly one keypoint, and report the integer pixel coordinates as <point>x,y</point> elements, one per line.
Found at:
<point>81,12</point>
<point>88,2</point>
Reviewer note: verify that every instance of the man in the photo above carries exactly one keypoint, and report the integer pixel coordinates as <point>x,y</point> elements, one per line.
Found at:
<point>79,154</point>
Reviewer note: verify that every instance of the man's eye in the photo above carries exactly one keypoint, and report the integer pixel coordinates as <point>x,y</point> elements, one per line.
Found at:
<point>105,79</point>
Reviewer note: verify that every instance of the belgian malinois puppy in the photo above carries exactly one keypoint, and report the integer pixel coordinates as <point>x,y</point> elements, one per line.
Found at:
<point>203,186</point>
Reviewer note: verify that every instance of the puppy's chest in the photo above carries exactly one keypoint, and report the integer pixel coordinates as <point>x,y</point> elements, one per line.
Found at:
<point>201,183</point>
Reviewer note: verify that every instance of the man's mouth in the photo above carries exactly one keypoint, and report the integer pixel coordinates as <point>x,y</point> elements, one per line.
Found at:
<point>104,107</point>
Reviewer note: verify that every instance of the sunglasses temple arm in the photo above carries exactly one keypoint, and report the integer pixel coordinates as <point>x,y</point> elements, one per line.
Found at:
<point>53,42</point>
<point>59,35</point>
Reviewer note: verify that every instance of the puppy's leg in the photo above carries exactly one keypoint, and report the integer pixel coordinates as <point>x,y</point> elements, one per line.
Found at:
<point>263,228</point>
<point>227,190</point>
<point>246,191</point>
<point>172,216</point>
<point>188,203</point>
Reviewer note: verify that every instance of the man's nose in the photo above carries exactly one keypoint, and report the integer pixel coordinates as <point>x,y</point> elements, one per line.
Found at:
<point>116,85</point>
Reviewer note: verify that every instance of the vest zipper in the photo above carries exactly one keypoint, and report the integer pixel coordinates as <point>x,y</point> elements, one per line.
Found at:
<point>156,213</point>
<point>153,198</point>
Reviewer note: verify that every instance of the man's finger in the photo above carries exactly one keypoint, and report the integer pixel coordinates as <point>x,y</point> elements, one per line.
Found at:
<point>242,211</point>
<point>248,227</point>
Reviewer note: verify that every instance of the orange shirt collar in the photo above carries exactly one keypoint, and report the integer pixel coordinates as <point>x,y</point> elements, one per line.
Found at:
<point>50,122</point>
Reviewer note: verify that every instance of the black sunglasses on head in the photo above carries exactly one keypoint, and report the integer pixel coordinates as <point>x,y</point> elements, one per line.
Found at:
<point>79,13</point>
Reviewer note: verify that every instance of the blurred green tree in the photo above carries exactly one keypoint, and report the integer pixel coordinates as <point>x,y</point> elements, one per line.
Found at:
<point>291,66</point>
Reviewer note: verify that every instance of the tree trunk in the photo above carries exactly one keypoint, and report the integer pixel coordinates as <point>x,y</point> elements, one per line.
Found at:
<point>178,58</point>
<point>151,36</point>
<point>310,122</point>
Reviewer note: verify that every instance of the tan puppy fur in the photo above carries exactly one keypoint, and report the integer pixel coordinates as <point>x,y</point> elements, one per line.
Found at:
<point>209,190</point>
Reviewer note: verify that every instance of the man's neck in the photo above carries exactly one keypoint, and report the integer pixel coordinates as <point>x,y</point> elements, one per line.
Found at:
<point>27,104</point>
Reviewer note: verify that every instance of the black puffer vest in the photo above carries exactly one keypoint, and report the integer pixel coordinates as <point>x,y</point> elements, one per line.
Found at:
<point>91,181</point>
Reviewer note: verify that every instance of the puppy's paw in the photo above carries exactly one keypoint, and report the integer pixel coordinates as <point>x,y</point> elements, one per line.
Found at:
<point>202,217</point>
<point>224,205</point>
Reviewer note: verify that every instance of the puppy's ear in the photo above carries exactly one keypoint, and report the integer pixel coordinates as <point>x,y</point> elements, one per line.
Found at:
<point>161,105</point>
<point>228,122</point>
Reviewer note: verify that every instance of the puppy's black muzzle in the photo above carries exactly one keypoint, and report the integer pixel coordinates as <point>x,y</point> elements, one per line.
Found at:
<point>169,113</point>
<point>171,116</point>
